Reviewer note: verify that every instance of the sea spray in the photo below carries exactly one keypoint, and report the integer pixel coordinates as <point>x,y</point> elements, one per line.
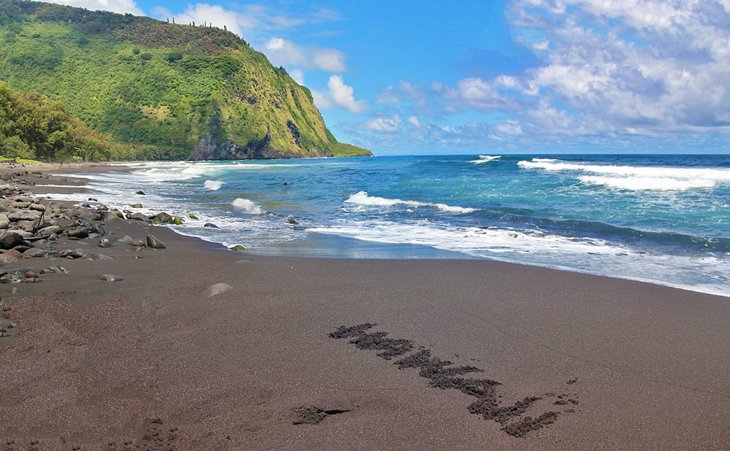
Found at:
<point>248,206</point>
<point>213,185</point>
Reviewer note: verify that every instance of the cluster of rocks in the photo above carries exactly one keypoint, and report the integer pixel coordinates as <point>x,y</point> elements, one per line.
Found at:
<point>32,228</point>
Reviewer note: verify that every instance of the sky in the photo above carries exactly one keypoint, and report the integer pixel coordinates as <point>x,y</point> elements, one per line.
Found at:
<point>494,76</point>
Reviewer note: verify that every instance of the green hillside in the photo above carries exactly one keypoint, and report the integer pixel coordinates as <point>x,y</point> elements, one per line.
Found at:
<point>32,127</point>
<point>175,91</point>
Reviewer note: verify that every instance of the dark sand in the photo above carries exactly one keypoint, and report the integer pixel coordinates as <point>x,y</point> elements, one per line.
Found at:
<point>465,353</point>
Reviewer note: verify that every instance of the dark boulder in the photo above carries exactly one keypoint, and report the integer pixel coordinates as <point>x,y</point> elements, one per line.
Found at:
<point>9,240</point>
<point>154,243</point>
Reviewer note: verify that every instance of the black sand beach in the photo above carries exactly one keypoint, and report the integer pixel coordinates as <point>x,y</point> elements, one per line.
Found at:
<point>448,353</point>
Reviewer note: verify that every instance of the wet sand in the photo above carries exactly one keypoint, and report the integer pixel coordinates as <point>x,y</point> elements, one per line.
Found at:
<point>447,353</point>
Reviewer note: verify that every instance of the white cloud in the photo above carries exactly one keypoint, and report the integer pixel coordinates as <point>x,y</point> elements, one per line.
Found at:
<point>383,124</point>
<point>609,68</point>
<point>210,14</point>
<point>405,91</point>
<point>116,6</point>
<point>286,53</point>
<point>511,128</point>
<point>478,94</point>
<point>413,120</point>
<point>340,95</point>
<point>388,96</point>
<point>297,75</point>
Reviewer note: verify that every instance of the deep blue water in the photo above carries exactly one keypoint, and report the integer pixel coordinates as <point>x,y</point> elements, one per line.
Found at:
<point>659,218</point>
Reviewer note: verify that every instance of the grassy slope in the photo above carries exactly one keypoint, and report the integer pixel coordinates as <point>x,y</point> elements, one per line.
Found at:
<point>158,85</point>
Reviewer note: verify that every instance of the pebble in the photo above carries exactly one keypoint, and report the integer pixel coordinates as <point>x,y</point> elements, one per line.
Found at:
<point>216,289</point>
<point>73,253</point>
<point>111,278</point>
<point>55,270</point>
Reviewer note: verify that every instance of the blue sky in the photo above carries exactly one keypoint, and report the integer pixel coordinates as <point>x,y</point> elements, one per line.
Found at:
<point>494,76</point>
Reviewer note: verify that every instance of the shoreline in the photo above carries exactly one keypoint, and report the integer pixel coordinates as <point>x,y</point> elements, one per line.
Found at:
<point>324,245</point>
<point>622,364</point>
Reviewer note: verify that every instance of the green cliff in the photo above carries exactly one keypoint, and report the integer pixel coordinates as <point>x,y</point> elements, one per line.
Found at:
<point>167,90</point>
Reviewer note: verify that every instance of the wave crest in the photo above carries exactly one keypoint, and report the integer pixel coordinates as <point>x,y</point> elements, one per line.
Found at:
<point>362,198</point>
<point>635,178</point>
<point>485,159</point>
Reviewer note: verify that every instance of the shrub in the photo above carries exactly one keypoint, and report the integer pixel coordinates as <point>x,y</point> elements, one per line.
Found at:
<point>174,56</point>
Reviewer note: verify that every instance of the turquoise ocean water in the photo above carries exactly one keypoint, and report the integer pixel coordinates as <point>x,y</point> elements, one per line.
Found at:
<point>664,219</point>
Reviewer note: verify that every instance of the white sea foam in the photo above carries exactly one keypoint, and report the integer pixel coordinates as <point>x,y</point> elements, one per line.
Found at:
<point>248,206</point>
<point>581,254</point>
<point>213,185</point>
<point>485,159</point>
<point>646,183</point>
<point>362,198</point>
<point>636,177</point>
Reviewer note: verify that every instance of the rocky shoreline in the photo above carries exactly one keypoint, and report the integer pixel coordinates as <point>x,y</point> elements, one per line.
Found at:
<point>33,227</point>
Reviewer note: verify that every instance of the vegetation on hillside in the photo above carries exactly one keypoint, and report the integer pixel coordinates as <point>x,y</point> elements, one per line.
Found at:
<point>160,87</point>
<point>32,127</point>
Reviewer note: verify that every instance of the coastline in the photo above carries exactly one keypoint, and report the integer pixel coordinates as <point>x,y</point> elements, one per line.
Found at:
<point>94,362</point>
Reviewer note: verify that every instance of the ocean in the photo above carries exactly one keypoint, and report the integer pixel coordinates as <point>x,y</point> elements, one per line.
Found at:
<point>658,218</point>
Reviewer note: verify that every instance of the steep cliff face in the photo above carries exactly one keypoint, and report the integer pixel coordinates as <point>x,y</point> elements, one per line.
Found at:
<point>177,91</point>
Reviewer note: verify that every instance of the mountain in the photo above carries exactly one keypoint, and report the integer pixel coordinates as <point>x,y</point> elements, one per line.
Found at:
<point>170,90</point>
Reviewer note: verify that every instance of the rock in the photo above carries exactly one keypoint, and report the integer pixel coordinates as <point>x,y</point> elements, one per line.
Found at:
<point>21,249</point>
<point>9,240</point>
<point>237,247</point>
<point>78,232</point>
<point>91,199</point>
<point>31,275</point>
<point>163,218</point>
<point>139,217</point>
<point>4,221</point>
<point>177,220</point>
<point>20,205</point>
<point>193,217</point>
<point>98,228</point>
<point>73,253</point>
<point>28,226</point>
<point>210,225</point>
<point>118,214</point>
<point>103,257</point>
<point>6,259</point>
<point>14,253</point>
<point>154,243</point>
<point>25,234</point>
<point>111,278</point>
<point>50,230</point>
<point>37,207</point>
<point>137,205</point>
<point>216,289</point>
<point>105,243</point>
<point>291,220</point>
<point>55,270</point>
<point>126,239</point>
<point>141,193</point>
<point>23,215</point>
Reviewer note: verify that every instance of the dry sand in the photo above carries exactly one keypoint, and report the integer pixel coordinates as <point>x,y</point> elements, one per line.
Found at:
<point>540,358</point>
